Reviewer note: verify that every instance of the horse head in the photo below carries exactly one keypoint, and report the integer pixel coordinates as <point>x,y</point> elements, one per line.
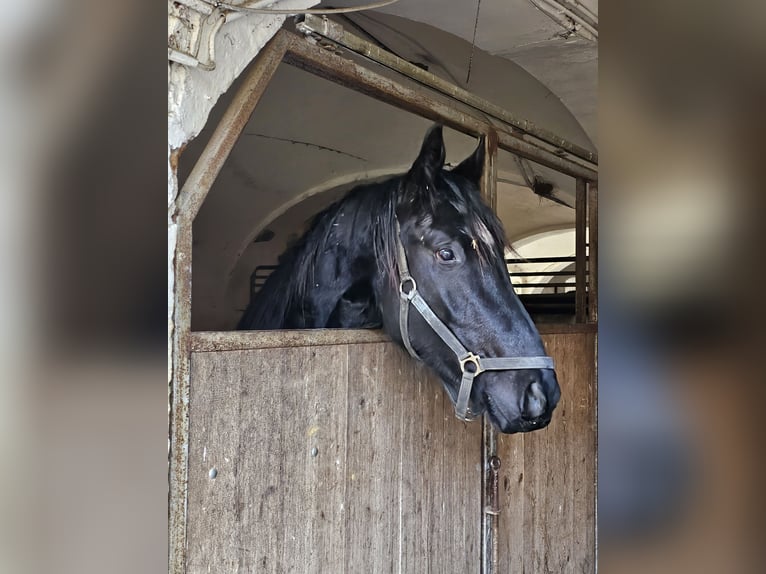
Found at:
<point>451,259</point>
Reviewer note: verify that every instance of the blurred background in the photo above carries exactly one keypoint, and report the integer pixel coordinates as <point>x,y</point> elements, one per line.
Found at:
<point>83,379</point>
<point>680,334</point>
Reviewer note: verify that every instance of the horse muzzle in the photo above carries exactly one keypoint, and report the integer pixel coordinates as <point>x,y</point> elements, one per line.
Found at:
<point>521,401</point>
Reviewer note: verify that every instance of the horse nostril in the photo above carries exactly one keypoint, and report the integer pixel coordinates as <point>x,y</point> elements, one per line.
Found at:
<point>533,403</point>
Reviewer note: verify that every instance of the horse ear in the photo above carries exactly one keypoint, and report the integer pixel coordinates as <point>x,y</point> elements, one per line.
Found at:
<point>472,167</point>
<point>431,157</point>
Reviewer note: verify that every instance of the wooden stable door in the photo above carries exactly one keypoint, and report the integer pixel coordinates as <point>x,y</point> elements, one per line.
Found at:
<point>547,482</point>
<point>348,458</point>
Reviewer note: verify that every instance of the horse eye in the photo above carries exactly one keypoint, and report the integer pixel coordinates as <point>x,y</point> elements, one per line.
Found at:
<point>446,254</point>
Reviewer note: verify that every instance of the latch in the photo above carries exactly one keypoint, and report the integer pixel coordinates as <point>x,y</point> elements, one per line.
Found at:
<point>493,496</point>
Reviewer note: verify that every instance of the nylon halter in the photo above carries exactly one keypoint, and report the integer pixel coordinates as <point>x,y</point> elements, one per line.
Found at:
<point>471,364</point>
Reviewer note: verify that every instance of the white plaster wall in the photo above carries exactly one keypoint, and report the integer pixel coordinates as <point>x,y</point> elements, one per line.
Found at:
<point>193,92</point>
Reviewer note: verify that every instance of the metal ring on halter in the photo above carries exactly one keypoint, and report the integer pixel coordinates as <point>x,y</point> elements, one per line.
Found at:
<point>467,417</point>
<point>411,293</point>
<point>471,358</point>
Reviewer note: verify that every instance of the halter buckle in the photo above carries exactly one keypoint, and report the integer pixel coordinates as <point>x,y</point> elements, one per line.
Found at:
<point>467,417</point>
<point>471,358</point>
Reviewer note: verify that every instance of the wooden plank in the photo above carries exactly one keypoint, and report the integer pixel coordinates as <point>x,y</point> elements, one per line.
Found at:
<point>583,441</point>
<point>457,497</point>
<point>374,463</point>
<point>213,341</point>
<point>210,341</point>
<point>256,416</point>
<point>562,328</point>
<point>412,486</point>
<point>547,521</point>
<point>393,485</point>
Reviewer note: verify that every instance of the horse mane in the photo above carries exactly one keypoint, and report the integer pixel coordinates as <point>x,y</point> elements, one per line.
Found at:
<point>373,206</point>
<point>374,209</point>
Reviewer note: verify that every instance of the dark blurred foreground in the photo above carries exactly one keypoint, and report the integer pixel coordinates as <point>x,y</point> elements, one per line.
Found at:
<point>83,388</point>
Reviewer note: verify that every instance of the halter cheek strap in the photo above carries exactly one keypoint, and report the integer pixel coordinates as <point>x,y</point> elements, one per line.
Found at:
<point>471,365</point>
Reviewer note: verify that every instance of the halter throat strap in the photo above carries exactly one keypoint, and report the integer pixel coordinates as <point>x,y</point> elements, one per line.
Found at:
<point>471,364</point>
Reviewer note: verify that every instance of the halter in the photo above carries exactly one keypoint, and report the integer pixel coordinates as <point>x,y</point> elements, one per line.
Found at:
<point>471,364</point>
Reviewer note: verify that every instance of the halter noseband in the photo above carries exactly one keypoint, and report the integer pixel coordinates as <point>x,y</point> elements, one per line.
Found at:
<point>471,364</point>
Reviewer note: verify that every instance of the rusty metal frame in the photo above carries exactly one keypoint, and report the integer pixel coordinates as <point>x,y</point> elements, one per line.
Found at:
<point>335,32</point>
<point>593,251</point>
<point>298,52</point>
<point>489,520</point>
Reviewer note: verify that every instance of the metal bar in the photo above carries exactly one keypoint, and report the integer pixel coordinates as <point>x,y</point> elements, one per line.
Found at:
<point>593,252</point>
<point>580,225</point>
<point>542,274</point>
<point>530,285</point>
<point>569,259</point>
<point>335,32</point>
<point>520,274</point>
<point>489,520</point>
<point>265,268</point>
<point>351,75</point>
<point>526,150</point>
<point>489,175</point>
<point>232,123</point>
<point>179,401</point>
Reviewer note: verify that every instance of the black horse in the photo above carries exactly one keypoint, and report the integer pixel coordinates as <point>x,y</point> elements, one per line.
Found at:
<point>422,256</point>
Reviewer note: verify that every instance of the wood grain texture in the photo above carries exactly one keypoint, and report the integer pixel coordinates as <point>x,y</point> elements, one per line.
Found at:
<point>547,478</point>
<point>393,485</point>
<point>210,341</point>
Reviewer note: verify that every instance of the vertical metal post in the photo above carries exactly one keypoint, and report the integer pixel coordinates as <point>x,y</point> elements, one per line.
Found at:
<point>593,252</point>
<point>490,508</point>
<point>179,400</point>
<point>489,502</point>
<point>580,261</point>
<point>489,177</point>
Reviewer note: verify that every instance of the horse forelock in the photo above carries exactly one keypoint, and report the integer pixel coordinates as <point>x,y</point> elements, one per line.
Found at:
<point>458,200</point>
<point>378,206</point>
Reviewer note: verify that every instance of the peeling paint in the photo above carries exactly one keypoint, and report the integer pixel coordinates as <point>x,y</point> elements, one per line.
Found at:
<point>192,92</point>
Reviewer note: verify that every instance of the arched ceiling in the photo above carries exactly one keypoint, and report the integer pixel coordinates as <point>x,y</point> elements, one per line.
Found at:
<point>519,31</point>
<point>310,139</point>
